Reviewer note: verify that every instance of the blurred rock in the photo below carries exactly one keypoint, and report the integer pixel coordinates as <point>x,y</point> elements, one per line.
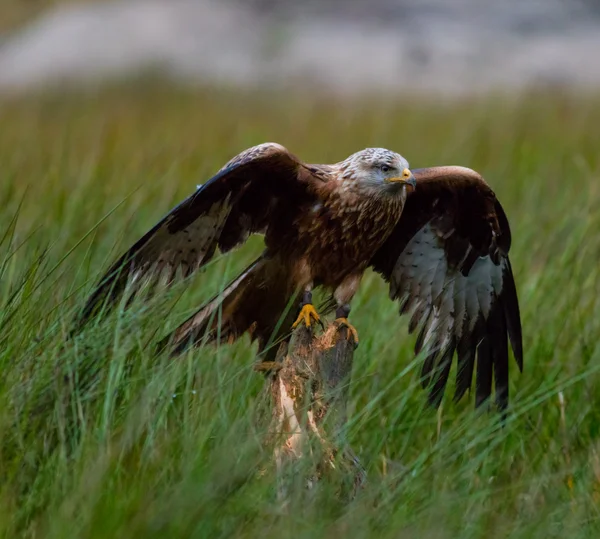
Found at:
<point>383,46</point>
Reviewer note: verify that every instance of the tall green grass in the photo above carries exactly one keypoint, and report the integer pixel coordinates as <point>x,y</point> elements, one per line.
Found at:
<point>100,439</point>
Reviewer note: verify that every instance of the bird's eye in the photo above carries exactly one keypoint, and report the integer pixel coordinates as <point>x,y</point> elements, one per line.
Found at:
<point>385,168</point>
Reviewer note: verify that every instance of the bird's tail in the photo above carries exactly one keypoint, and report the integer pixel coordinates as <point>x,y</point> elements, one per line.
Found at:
<point>261,301</point>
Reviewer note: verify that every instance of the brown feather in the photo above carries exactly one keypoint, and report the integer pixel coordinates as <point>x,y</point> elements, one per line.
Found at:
<point>260,190</point>
<point>253,302</point>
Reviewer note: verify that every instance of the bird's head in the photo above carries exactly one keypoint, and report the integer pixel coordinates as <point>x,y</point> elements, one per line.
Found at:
<point>377,171</point>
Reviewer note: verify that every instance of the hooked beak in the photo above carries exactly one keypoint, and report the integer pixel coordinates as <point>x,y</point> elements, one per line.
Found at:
<point>406,178</point>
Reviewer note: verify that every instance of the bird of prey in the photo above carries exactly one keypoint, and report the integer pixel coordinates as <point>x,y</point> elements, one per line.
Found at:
<point>438,236</point>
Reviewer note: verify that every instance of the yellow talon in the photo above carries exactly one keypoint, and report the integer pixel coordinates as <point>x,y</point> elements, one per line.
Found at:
<point>343,323</point>
<point>307,315</point>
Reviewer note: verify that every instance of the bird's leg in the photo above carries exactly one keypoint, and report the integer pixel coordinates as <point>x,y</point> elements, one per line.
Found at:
<point>341,320</point>
<point>343,295</point>
<point>308,313</point>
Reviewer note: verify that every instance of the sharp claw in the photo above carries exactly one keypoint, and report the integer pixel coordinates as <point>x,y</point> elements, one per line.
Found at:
<point>352,333</point>
<point>308,314</point>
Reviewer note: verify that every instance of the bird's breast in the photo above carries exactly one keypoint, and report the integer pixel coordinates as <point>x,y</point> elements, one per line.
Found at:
<point>338,238</point>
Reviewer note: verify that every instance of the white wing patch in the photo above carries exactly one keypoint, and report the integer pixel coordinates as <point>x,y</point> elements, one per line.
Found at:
<point>166,253</point>
<point>443,299</point>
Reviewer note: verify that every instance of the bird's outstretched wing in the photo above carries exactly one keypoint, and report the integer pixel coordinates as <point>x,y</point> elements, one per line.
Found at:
<point>250,194</point>
<point>447,264</point>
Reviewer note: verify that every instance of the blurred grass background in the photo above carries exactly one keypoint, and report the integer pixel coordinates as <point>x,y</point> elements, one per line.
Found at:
<point>16,12</point>
<point>143,447</point>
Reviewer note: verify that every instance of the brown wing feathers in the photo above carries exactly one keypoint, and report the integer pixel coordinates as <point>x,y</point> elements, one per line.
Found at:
<point>245,196</point>
<point>447,264</point>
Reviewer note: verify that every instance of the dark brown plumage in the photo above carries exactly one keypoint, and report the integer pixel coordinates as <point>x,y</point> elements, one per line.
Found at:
<point>443,248</point>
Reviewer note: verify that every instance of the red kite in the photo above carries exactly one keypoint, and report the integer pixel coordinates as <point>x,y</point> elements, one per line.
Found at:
<point>438,236</point>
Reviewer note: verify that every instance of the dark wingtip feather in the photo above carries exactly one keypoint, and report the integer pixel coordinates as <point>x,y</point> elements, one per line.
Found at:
<point>512,313</point>
<point>497,331</point>
<point>421,336</point>
<point>466,364</point>
<point>438,388</point>
<point>484,375</point>
<point>427,370</point>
